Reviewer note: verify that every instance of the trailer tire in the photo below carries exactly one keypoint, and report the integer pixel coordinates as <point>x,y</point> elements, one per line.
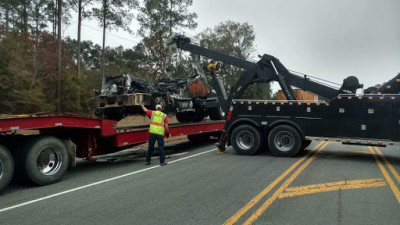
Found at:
<point>45,160</point>
<point>246,140</point>
<point>284,140</point>
<point>6,168</point>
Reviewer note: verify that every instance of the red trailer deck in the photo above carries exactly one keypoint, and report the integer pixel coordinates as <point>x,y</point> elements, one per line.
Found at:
<point>45,157</point>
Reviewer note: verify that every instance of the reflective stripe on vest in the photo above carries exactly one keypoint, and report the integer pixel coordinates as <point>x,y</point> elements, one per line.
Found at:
<point>157,123</point>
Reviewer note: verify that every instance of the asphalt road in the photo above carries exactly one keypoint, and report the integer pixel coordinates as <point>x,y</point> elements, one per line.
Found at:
<point>328,183</point>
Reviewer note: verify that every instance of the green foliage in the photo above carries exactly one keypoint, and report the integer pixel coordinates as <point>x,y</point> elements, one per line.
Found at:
<point>158,20</point>
<point>259,91</point>
<point>114,13</point>
<point>28,82</point>
<point>235,39</point>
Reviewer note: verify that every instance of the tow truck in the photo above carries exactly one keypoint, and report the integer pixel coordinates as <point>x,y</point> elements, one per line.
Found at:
<point>44,158</point>
<point>286,127</point>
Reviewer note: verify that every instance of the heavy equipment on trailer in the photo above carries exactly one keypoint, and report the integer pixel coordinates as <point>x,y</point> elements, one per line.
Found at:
<point>286,127</point>
<point>188,98</point>
<point>44,158</point>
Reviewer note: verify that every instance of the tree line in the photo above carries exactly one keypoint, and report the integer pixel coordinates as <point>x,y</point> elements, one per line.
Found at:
<point>40,72</point>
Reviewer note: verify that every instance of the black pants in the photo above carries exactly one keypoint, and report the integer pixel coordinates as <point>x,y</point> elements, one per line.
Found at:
<point>152,141</point>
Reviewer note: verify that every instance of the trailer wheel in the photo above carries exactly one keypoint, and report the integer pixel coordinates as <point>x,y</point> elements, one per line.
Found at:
<point>284,140</point>
<point>6,168</point>
<point>216,113</point>
<point>45,160</point>
<point>246,140</point>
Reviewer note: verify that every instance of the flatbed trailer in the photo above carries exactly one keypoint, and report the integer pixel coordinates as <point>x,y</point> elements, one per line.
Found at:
<point>44,157</point>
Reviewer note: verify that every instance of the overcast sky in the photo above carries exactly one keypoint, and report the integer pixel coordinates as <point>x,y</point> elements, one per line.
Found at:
<point>330,39</point>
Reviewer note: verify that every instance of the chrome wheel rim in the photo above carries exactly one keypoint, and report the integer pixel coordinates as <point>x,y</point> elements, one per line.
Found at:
<point>245,139</point>
<point>49,161</point>
<point>284,141</point>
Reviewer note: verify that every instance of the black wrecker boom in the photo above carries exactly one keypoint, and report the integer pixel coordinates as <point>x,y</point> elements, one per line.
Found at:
<point>267,69</point>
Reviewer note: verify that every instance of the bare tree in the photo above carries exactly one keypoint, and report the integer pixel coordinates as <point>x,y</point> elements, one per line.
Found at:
<point>113,14</point>
<point>59,14</point>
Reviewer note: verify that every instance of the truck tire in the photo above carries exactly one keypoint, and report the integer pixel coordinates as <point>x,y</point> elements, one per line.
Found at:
<point>216,113</point>
<point>284,140</point>
<point>246,140</point>
<point>6,168</point>
<point>45,160</point>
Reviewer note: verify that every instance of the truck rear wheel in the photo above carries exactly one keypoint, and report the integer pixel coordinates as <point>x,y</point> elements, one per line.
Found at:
<point>246,140</point>
<point>6,168</point>
<point>45,160</point>
<point>284,140</point>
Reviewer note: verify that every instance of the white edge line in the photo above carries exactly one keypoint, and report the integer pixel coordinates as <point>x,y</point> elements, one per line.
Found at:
<point>97,183</point>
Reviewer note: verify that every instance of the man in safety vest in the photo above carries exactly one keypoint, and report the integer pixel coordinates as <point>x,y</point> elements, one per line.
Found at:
<point>158,127</point>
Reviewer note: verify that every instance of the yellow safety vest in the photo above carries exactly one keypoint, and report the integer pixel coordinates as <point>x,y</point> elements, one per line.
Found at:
<point>157,123</point>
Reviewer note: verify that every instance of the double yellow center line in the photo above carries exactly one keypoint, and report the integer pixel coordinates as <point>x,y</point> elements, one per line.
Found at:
<point>385,173</point>
<point>307,158</point>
